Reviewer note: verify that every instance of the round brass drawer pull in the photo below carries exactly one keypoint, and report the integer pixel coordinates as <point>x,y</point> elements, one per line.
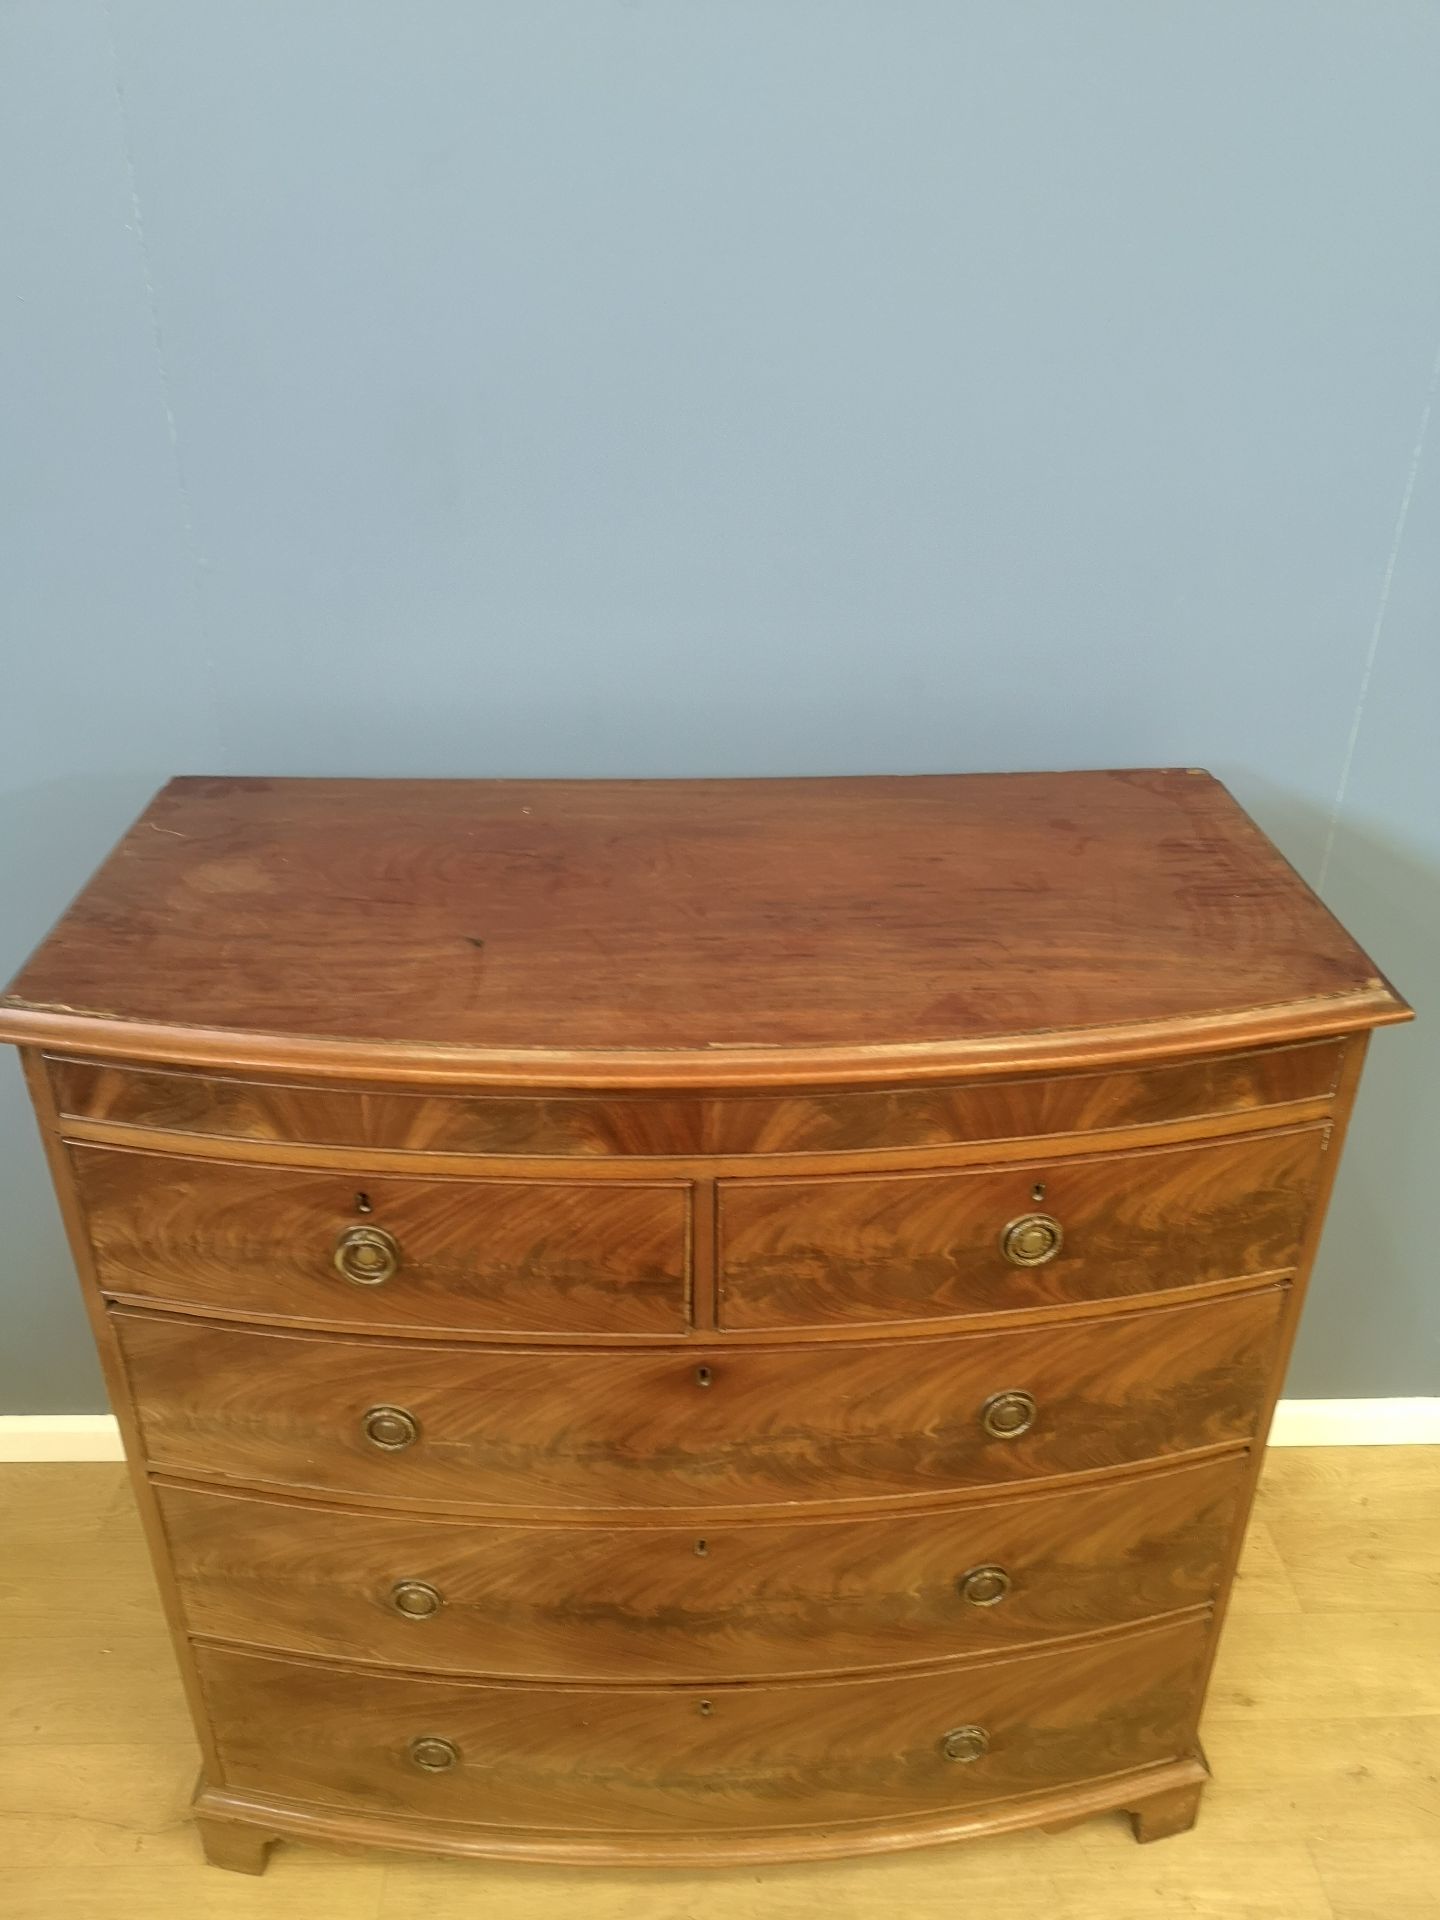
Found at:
<point>391,1428</point>
<point>367,1255</point>
<point>434,1755</point>
<point>1005,1416</point>
<point>965,1744</point>
<point>415,1599</point>
<point>1032,1240</point>
<point>984,1586</point>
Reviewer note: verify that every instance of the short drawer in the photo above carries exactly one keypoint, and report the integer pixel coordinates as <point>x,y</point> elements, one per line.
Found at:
<point>843,1249</point>
<point>678,1759</point>
<point>370,1250</point>
<point>701,1427</point>
<point>753,1600</point>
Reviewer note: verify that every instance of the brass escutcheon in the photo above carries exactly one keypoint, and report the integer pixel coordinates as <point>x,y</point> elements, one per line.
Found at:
<point>1032,1240</point>
<point>367,1255</point>
<point>965,1743</point>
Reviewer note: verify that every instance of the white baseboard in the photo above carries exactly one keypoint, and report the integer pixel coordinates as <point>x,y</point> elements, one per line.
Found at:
<point>1298,1423</point>
<point>59,1436</point>
<point>1356,1423</point>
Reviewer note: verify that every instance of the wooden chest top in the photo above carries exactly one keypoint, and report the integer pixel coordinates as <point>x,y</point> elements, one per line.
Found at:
<point>695,933</point>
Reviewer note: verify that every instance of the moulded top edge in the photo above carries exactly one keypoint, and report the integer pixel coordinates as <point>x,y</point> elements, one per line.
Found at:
<point>72,1031</point>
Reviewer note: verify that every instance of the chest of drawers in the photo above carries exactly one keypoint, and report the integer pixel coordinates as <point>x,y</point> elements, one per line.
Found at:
<point>694,1321</point>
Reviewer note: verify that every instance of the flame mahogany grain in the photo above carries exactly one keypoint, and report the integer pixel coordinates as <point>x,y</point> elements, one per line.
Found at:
<point>589,1127</point>
<point>568,1429</point>
<point>713,1601</point>
<point>633,1760</point>
<point>530,1256</point>
<point>917,1245</point>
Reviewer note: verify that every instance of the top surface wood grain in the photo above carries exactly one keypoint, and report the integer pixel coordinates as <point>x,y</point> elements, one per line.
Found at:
<point>691,932</point>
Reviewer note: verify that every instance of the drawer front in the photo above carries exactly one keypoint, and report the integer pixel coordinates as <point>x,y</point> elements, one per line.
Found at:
<point>666,1603</point>
<point>521,1256</point>
<point>849,1248</point>
<point>583,1124</point>
<point>682,1759</point>
<point>701,1427</point>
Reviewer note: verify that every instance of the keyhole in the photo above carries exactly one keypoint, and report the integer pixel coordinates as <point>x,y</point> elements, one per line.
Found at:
<point>702,1547</point>
<point>703,1376</point>
<point>1037,1192</point>
<point>362,1203</point>
<point>707,1706</point>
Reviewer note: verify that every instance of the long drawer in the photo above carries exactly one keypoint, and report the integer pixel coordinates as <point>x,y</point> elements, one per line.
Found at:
<point>739,1602</point>
<point>705,1426</point>
<point>830,1120</point>
<point>379,1250</point>
<point>848,1248</point>
<point>686,1758</point>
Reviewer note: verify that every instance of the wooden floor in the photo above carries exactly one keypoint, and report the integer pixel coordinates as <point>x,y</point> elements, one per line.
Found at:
<point>1323,1730</point>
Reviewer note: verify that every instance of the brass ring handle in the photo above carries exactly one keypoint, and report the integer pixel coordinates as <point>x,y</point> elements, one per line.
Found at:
<point>415,1599</point>
<point>984,1586</point>
<point>433,1755</point>
<point>1032,1240</point>
<point>391,1429</point>
<point>1005,1416</point>
<point>965,1744</point>
<point>367,1255</point>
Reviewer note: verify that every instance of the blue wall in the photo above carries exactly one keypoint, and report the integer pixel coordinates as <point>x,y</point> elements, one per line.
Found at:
<point>703,386</point>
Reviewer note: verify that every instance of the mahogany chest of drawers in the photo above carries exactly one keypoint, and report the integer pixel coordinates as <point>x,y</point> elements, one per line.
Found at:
<point>694,1321</point>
